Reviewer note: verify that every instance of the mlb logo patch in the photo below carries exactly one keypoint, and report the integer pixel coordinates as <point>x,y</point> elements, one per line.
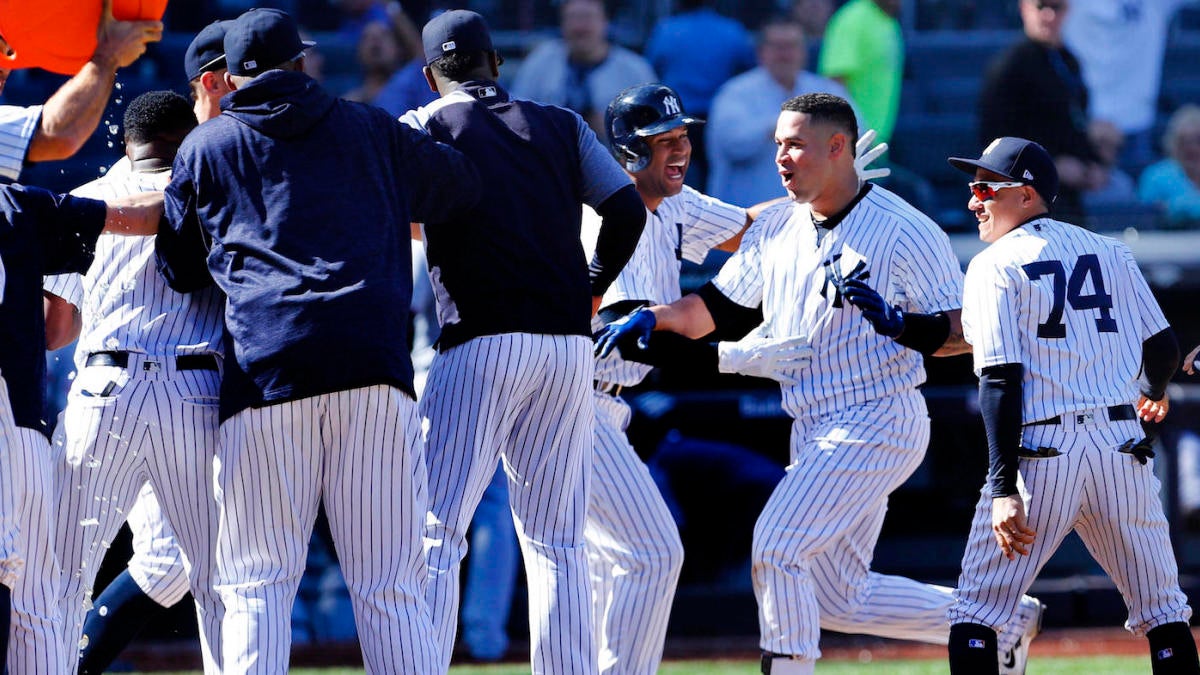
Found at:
<point>249,65</point>
<point>1165,653</point>
<point>975,643</point>
<point>487,92</point>
<point>448,46</point>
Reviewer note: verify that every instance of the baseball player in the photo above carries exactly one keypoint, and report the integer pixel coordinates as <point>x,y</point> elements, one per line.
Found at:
<point>316,400</point>
<point>40,232</point>
<point>861,426</point>
<point>1066,336</point>
<point>155,578</point>
<point>59,128</point>
<point>142,408</point>
<point>512,380</point>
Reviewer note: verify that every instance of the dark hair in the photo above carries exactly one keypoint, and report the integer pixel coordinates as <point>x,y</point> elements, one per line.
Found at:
<point>156,113</point>
<point>826,108</point>
<point>459,66</point>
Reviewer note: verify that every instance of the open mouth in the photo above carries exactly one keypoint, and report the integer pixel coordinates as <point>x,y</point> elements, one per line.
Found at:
<point>675,170</point>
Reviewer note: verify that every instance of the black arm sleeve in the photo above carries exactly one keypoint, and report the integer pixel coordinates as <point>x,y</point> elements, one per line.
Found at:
<point>732,320</point>
<point>181,247</point>
<point>624,216</point>
<point>671,350</point>
<point>1000,406</point>
<point>67,227</point>
<point>925,333</point>
<point>1160,358</point>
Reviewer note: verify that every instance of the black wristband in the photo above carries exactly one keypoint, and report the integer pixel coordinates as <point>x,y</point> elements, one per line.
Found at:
<point>925,333</point>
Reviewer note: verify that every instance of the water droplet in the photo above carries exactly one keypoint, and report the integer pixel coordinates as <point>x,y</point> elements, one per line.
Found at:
<point>113,129</point>
<point>87,602</point>
<point>83,641</point>
<point>93,463</point>
<point>105,544</point>
<point>103,611</point>
<point>110,144</point>
<point>89,522</point>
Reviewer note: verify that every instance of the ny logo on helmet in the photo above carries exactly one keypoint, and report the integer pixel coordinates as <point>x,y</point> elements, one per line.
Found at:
<point>671,105</point>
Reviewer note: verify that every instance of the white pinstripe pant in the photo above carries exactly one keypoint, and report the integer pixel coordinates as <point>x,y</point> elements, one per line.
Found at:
<point>10,557</point>
<point>526,398</point>
<point>157,562</point>
<point>814,541</point>
<point>1108,498</point>
<point>37,625</point>
<point>360,451</point>
<point>155,425</point>
<point>634,550</point>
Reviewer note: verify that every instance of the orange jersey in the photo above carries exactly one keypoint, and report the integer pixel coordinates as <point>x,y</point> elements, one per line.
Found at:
<point>60,35</point>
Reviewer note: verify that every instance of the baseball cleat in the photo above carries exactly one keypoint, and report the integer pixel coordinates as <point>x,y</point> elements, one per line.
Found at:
<point>1030,611</point>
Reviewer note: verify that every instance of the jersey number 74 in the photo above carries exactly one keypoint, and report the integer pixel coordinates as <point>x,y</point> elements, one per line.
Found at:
<point>1068,289</point>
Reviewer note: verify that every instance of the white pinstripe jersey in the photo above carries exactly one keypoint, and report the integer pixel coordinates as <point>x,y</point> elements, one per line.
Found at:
<point>684,227</point>
<point>17,126</point>
<point>1071,306</point>
<point>785,265</point>
<point>126,305</point>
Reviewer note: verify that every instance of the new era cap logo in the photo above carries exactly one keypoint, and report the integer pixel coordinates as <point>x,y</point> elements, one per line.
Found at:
<point>448,46</point>
<point>1027,175</point>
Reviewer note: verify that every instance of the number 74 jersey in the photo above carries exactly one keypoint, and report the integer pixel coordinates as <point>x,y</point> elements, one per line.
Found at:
<point>1068,304</point>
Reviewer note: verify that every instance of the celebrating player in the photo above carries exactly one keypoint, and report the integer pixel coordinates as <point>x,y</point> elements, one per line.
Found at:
<point>317,401</point>
<point>142,409</point>
<point>1062,324</point>
<point>861,426</point>
<point>512,379</point>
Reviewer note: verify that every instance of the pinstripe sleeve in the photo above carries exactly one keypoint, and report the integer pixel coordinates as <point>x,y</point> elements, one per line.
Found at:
<point>741,277</point>
<point>989,313</point>
<point>1150,315</point>
<point>17,126</point>
<point>710,222</point>
<point>67,286</point>
<point>933,278</point>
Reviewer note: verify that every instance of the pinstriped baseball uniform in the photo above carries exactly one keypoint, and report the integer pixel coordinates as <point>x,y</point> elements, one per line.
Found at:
<point>1074,309</point>
<point>634,550</point>
<point>17,126</point>
<point>860,427</point>
<point>148,422</point>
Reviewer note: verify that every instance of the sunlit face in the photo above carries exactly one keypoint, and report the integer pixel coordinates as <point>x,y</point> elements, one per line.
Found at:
<point>207,91</point>
<point>803,155</point>
<point>670,154</point>
<point>1043,20</point>
<point>1003,212</point>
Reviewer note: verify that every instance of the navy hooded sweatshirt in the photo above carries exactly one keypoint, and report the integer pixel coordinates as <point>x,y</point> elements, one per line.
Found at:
<point>298,206</point>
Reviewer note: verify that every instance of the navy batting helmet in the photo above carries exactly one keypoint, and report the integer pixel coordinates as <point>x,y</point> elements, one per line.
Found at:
<point>638,112</point>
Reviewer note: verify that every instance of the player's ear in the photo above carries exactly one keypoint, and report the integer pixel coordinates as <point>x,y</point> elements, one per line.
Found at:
<point>837,144</point>
<point>428,72</point>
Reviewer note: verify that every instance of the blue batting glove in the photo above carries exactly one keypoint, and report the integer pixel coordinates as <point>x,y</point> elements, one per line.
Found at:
<point>639,323</point>
<point>885,319</point>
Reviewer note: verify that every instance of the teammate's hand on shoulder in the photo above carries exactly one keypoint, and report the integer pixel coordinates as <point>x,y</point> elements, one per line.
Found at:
<point>1012,533</point>
<point>1153,411</point>
<point>885,319</point>
<point>864,154</point>
<point>760,355</point>
<point>638,324</point>
<point>1189,362</point>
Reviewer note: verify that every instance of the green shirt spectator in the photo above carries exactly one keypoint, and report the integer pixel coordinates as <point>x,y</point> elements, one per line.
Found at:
<point>864,50</point>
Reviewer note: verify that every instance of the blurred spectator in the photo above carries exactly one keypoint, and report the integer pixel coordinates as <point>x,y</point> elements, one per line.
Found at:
<point>741,124</point>
<point>694,52</point>
<point>406,90</point>
<point>582,70</point>
<point>864,50</point>
<point>382,49</point>
<point>1034,90</point>
<point>1174,182</point>
<point>812,15</point>
<point>1120,46</point>
<point>358,14</point>
<point>1119,187</point>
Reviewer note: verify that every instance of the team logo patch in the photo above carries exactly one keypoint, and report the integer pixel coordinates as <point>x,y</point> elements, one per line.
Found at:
<point>1165,653</point>
<point>671,105</point>
<point>487,92</point>
<point>448,46</point>
<point>835,281</point>
<point>976,643</point>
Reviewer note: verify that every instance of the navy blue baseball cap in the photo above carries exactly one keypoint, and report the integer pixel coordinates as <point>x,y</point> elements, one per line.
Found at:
<point>261,39</point>
<point>1017,159</point>
<point>458,30</point>
<point>207,50</point>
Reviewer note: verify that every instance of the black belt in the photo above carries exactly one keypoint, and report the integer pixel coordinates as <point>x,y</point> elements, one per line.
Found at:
<point>1116,413</point>
<point>182,362</point>
<point>610,388</point>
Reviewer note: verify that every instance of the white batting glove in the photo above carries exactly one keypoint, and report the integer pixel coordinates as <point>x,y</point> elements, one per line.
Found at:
<point>758,355</point>
<point>864,154</point>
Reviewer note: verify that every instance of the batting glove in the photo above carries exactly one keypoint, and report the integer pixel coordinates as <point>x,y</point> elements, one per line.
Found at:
<point>864,154</point>
<point>638,323</point>
<point>1142,450</point>
<point>760,356</point>
<point>887,320</point>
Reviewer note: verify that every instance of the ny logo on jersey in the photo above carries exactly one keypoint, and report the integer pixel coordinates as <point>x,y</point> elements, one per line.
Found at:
<point>835,281</point>
<point>671,105</point>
